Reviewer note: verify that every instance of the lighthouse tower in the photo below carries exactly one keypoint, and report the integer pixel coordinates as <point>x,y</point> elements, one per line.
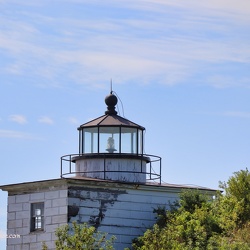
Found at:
<point>110,184</point>
<point>112,148</point>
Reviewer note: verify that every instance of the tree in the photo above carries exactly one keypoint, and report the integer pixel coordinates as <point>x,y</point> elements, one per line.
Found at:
<point>80,237</point>
<point>237,191</point>
<point>197,222</point>
<point>192,199</point>
<point>188,226</point>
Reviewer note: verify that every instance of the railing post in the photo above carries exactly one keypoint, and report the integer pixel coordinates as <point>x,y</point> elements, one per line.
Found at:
<point>70,164</point>
<point>150,172</point>
<point>160,171</point>
<point>104,169</point>
<point>61,167</point>
<point>141,163</point>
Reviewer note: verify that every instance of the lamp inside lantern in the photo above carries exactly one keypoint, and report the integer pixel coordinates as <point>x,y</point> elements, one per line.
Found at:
<point>111,145</point>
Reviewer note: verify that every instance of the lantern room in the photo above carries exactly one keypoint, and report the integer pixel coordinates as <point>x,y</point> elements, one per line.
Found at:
<point>112,148</point>
<point>111,133</point>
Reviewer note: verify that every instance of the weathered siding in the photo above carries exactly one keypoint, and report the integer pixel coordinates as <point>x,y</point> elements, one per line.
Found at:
<point>124,213</point>
<point>127,170</point>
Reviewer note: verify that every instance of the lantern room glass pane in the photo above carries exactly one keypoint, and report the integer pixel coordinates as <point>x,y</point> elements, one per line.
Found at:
<point>129,140</point>
<point>90,140</point>
<point>140,142</point>
<point>109,139</point>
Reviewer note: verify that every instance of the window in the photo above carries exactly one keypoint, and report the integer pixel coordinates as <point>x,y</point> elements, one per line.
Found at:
<point>37,217</point>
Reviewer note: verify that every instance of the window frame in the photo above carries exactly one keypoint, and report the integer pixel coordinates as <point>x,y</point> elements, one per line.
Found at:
<point>37,216</point>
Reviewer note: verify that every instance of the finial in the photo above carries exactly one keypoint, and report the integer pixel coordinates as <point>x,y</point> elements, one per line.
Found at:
<point>111,91</point>
<point>111,101</point>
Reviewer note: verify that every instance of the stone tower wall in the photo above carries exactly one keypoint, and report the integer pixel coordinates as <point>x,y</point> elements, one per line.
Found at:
<point>18,219</point>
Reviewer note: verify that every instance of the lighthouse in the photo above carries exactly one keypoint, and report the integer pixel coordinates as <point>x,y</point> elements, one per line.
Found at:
<point>112,148</point>
<point>110,184</point>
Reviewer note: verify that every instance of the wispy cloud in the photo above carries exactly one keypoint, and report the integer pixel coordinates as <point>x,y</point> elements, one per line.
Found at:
<point>73,120</point>
<point>17,135</point>
<point>222,8</point>
<point>239,114</point>
<point>46,120</point>
<point>18,119</point>
<point>225,81</point>
<point>179,42</point>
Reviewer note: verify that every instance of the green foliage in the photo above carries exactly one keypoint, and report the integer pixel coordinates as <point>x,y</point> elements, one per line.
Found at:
<point>202,223</point>
<point>81,237</point>
<point>163,215</point>
<point>44,246</point>
<point>192,199</point>
<point>237,189</point>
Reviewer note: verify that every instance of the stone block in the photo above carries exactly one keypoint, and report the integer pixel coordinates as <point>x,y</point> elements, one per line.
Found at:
<point>35,246</point>
<point>26,206</point>
<point>51,228</point>
<point>51,211</point>
<point>59,202</point>
<point>23,247</point>
<point>11,231</point>
<point>30,238</point>
<point>59,219</point>
<point>11,248</point>
<point>14,241</point>
<point>63,193</point>
<point>11,199</point>
<point>51,245</point>
<point>22,198</point>
<point>37,197</point>
<point>54,237</point>
<point>63,210</point>
<point>48,220</point>
<point>11,216</point>
<point>44,237</point>
<point>23,214</point>
<point>26,222</point>
<point>52,194</point>
<point>48,204</point>
<point>22,230</point>
<point>14,223</point>
<point>15,207</point>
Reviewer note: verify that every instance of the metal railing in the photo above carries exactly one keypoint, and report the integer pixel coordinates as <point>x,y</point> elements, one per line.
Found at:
<point>153,166</point>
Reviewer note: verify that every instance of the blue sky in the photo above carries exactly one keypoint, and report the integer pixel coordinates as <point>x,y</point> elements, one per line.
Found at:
<point>180,68</point>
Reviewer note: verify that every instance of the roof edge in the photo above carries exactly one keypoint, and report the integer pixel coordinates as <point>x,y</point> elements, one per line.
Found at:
<point>54,184</point>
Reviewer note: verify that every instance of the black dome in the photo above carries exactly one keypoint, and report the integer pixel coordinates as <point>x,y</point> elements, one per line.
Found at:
<point>111,101</point>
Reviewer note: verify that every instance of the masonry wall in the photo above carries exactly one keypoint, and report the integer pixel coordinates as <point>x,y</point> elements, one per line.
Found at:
<point>18,219</point>
<point>125,213</point>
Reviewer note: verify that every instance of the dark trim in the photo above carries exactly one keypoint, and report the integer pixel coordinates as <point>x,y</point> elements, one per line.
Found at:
<point>104,117</point>
<point>110,156</point>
